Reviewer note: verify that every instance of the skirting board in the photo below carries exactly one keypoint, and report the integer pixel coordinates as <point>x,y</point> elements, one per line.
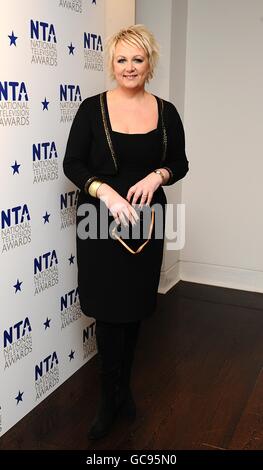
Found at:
<point>222,276</point>
<point>169,278</point>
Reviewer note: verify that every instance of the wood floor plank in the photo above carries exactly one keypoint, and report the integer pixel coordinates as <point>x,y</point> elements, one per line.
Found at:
<point>197,381</point>
<point>249,431</point>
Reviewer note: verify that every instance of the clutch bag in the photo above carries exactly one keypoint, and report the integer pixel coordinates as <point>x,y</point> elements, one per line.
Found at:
<point>115,235</point>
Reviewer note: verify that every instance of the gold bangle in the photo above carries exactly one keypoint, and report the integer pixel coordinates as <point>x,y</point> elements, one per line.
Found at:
<point>94,186</point>
<point>159,172</point>
<point>88,183</point>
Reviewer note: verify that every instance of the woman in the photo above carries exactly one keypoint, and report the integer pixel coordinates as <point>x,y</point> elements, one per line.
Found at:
<point>123,146</point>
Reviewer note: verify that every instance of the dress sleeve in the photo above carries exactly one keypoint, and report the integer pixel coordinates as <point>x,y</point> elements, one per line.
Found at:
<point>75,163</point>
<point>176,161</point>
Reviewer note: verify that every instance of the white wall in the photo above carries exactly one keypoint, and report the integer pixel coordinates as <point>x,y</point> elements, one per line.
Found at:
<point>167,20</point>
<point>211,69</point>
<point>118,14</point>
<point>154,16</point>
<point>224,126</point>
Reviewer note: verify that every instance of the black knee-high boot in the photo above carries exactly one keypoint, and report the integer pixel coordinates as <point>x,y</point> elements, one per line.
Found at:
<point>126,403</point>
<point>109,337</point>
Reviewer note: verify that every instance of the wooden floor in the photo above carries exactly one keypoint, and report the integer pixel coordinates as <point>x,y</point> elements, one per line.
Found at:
<point>198,381</point>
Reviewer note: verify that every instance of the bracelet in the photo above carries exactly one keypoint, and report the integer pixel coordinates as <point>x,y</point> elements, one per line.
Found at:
<point>159,172</point>
<point>170,173</point>
<point>94,186</point>
<point>88,183</point>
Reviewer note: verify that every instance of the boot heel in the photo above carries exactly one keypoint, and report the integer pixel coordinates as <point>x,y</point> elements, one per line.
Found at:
<point>107,409</point>
<point>102,423</point>
<point>127,406</point>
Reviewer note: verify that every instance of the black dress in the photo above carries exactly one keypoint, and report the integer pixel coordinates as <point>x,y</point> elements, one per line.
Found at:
<point>114,284</point>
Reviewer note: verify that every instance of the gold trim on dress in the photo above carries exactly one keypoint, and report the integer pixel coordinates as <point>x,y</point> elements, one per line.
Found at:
<point>164,133</point>
<point>107,132</point>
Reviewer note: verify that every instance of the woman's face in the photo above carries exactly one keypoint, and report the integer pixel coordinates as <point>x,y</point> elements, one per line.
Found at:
<point>130,65</point>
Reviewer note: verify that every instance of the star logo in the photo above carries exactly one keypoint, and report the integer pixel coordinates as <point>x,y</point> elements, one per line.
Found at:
<point>46,217</point>
<point>71,49</point>
<point>45,104</point>
<point>13,39</point>
<point>17,286</point>
<point>71,355</point>
<point>71,259</point>
<point>47,323</point>
<point>19,398</point>
<point>15,167</point>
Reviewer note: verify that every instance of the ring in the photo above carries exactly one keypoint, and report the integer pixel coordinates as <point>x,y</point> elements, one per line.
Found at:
<point>145,195</point>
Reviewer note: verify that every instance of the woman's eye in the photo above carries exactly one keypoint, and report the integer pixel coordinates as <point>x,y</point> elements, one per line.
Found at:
<point>136,60</point>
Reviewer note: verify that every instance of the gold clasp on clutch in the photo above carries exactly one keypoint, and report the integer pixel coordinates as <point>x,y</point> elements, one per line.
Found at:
<point>143,244</point>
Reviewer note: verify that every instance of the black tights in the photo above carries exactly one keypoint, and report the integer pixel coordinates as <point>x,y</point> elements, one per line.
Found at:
<point>116,344</point>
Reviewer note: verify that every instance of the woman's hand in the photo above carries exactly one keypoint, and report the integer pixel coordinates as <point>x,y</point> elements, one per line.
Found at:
<point>118,206</point>
<point>144,189</point>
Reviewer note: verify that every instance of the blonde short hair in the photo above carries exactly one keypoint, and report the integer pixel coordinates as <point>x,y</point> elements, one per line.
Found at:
<point>135,35</point>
